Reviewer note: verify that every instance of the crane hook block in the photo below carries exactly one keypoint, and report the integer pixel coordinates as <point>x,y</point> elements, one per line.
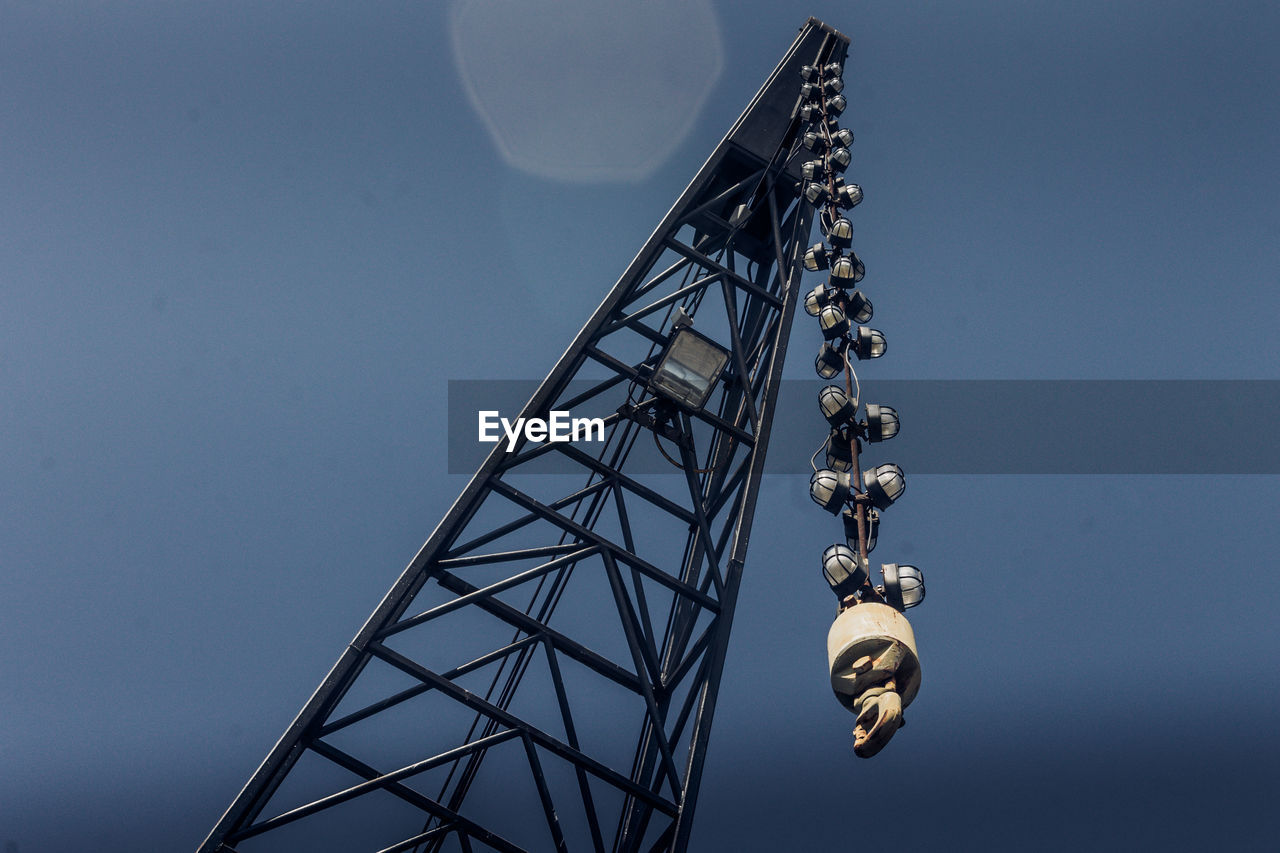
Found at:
<point>875,671</point>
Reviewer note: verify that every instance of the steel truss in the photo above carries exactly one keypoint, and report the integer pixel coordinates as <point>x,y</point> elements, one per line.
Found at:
<point>463,716</point>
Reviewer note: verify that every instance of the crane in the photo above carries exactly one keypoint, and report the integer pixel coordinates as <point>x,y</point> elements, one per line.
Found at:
<point>544,673</point>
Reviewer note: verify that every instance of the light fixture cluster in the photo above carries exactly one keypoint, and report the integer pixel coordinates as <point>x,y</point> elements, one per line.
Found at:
<point>841,487</point>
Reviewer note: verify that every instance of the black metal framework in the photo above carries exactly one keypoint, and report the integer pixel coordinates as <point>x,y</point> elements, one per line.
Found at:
<point>463,716</point>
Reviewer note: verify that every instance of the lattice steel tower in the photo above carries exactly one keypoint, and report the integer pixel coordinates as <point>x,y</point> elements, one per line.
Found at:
<point>544,673</point>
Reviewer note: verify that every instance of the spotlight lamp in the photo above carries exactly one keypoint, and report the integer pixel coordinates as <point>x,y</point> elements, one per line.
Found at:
<point>817,258</point>
<point>842,137</point>
<point>811,92</point>
<point>840,451</point>
<point>836,405</point>
<point>831,360</point>
<point>840,233</point>
<point>903,584</point>
<point>850,519</point>
<point>816,193</point>
<point>814,141</point>
<point>882,423</point>
<point>868,343</point>
<point>815,300</point>
<point>814,170</point>
<point>836,105</point>
<point>809,73</point>
<point>810,113</point>
<point>847,271</point>
<point>830,489</point>
<point>843,570</point>
<point>689,369</point>
<point>833,323</point>
<point>840,159</point>
<point>859,269</point>
<point>858,307</point>
<point>832,69</point>
<point>834,85</point>
<point>849,196</point>
<point>884,484</point>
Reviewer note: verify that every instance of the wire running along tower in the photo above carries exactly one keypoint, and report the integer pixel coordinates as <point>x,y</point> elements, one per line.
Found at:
<point>544,673</point>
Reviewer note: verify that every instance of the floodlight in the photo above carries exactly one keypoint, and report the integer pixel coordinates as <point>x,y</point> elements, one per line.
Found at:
<point>816,299</point>
<point>882,422</point>
<point>850,518</point>
<point>832,322</point>
<point>843,570</point>
<point>849,196</point>
<point>833,86</point>
<point>840,159</point>
<point>689,368</point>
<point>816,193</point>
<point>836,406</point>
<point>830,489</point>
<point>884,485</point>
<point>842,137</point>
<point>830,361</point>
<point>832,69</point>
<point>809,73</point>
<point>814,141</point>
<point>858,308</point>
<point>869,343</point>
<point>836,105</point>
<point>840,451</point>
<point>840,233</point>
<point>847,271</point>
<point>903,585</point>
<point>817,258</point>
<point>855,271</point>
<point>814,170</point>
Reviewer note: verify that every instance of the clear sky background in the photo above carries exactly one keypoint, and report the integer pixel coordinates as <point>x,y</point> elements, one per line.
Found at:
<point>244,246</point>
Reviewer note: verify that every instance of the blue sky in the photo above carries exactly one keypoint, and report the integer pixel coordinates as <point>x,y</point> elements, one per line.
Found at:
<point>244,246</point>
